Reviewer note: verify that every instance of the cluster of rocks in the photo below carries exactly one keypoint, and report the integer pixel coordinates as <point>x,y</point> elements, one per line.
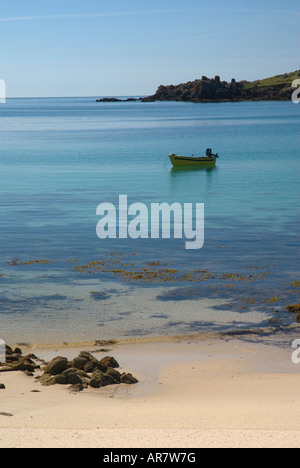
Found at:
<point>82,372</point>
<point>118,100</point>
<point>15,361</point>
<point>198,91</point>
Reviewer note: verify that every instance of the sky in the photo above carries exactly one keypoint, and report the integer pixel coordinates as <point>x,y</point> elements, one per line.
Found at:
<point>128,48</point>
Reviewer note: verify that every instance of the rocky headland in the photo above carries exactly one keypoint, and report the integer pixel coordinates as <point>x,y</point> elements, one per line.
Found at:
<point>277,88</point>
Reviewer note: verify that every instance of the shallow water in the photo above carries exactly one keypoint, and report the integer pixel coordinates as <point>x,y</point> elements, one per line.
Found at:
<point>60,158</point>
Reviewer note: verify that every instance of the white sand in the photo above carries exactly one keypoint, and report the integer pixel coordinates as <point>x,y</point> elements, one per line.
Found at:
<point>207,393</point>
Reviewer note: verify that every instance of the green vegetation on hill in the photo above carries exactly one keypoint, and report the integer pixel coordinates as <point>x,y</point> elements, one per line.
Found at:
<point>285,79</point>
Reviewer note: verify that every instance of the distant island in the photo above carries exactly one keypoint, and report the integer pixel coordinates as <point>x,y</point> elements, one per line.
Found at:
<point>276,88</point>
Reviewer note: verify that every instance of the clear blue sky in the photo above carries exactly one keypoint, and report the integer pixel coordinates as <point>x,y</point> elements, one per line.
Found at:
<point>97,48</point>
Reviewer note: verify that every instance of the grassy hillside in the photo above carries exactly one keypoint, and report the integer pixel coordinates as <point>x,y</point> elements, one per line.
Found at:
<point>285,79</point>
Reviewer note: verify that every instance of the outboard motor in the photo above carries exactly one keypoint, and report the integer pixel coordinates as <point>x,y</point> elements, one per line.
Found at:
<point>209,152</point>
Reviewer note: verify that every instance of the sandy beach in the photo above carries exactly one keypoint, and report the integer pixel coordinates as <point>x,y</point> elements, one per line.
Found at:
<point>192,393</point>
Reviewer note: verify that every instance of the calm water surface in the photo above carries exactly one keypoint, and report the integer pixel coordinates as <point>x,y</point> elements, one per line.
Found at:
<point>60,158</point>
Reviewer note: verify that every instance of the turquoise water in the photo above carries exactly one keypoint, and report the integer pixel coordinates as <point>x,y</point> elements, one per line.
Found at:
<point>60,158</point>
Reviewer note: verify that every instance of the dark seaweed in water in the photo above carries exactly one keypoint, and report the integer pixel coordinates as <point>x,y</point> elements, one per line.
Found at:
<point>100,296</point>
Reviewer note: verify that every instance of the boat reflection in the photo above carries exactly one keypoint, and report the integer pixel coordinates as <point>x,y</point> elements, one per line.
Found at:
<point>181,169</point>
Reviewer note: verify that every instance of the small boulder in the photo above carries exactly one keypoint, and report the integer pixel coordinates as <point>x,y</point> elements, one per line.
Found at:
<point>8,350</point>
<point>57,366</point>
<point>79,362</point>
<point>110,380</point>
<point>89,367</point>
<point>47,380</point>
<point>98,379</point>
<point>114,374</point>
<point>128,379</point>
<point>73,379</point>
<point>60,379</point>
<point>109,361</point>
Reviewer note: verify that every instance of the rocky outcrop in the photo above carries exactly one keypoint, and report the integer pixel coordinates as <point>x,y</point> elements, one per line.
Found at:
<point>215,90</point>
<point>82,372</point>
<point>206,89</point>
<point>15,361</point>
<point>117,100</point>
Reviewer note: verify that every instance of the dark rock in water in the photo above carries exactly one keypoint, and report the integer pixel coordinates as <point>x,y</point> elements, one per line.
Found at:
<point>109,100</point>
<point>117,100</point>
<point>109,361</point>
<point>293,308</point>
<point>128,379</point>
<point>57,366</point>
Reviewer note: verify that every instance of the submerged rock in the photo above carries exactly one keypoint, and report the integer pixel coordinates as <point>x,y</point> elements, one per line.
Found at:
<point>294,308</point>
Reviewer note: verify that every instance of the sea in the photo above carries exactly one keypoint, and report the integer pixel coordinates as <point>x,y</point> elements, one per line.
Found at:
<point>60,158</point>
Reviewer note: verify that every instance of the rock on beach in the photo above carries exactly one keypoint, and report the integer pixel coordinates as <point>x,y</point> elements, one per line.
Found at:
<point>82,372</point>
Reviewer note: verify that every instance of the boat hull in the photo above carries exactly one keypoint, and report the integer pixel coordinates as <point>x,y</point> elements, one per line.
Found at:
<point>189,161</point>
